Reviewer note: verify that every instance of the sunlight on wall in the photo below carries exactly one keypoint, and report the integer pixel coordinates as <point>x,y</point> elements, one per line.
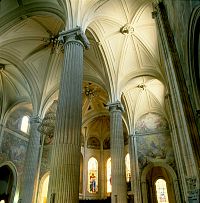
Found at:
<point>45,189</point>
<point>108,168</point>
<point>161,189</point>
<point>16,198</point>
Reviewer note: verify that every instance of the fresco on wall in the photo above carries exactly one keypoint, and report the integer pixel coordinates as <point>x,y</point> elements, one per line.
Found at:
<point>106,143</point>
<point>93,143</point>
<point>46,159</point>
<point>15,150</point>
<point>47,127</point>
<point>151,122</point>
<point>153,140</point>
<point>14,120</point>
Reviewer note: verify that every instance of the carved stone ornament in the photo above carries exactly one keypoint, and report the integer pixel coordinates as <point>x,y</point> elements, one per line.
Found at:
<point>115,106</point>
<point>74,34</point>
<point>127,29</point>
<point>35,119</point>
<point>191,183</point>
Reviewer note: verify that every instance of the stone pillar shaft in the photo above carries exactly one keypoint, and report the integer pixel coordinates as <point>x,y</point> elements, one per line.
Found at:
<point>65,162</point>
<point>135,175</point>
<point>119,188</point>
<point>1,134</point>
<point>31,163</point>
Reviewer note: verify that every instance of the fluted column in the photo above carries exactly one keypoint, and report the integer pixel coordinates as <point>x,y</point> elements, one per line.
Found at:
<point>65,162</point>
<point>1,134</point>
<point>118,177</point>
<point>27,194</point>
<point>135,174</point>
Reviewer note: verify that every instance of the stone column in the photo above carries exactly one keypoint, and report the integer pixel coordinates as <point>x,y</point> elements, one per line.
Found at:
<point>102,173</point>
<point>135,175</point>
<point>1,135</point>
<point>85,167</point>
<point>28,188</point>
<point>65,161</point>
<point>118,177</point>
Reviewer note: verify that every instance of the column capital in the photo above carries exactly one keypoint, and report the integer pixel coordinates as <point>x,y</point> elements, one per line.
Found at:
<point>35,119</point>
<point>191,183</point>
<point>75,34</point>
<point>114,106</point>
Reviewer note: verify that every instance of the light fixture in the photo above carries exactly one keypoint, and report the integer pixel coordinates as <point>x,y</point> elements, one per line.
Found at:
<point>89,91</point>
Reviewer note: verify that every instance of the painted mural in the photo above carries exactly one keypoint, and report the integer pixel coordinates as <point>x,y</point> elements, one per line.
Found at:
<point>46,160</point>
<point>47,126</point>
<point>106,143</point>
<point>47,129</point>
<point>151,122</point>
<point>15,119</point>
<point>153,140</point>
<point>93,143</point>
<point>14,149</point>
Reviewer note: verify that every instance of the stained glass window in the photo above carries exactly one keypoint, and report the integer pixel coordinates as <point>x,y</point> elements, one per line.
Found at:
<point>108,168</point>
<point>25,124</point>
<point>92,175</point>
<point>161,189</point>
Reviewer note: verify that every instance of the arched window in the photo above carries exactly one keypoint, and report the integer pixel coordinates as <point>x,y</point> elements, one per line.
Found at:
<point>92,175</point>
<point>108,169</point>
<point>128,168</point>
<point>25,124</point>
<point>161,189</point>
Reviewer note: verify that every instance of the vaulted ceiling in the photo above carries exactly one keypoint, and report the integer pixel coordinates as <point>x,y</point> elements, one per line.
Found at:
<point>123,62</point>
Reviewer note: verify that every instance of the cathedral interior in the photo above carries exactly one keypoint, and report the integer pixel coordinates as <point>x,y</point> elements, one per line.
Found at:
<point>99,101</point>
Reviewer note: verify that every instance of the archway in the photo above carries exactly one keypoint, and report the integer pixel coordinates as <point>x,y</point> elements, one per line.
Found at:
<point>7,183</point>
<point>194,56</point>
<point>159,171</point>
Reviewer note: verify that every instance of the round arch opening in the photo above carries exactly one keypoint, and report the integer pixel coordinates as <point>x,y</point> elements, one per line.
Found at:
<point>151,190</point>
<point>7,184</point>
